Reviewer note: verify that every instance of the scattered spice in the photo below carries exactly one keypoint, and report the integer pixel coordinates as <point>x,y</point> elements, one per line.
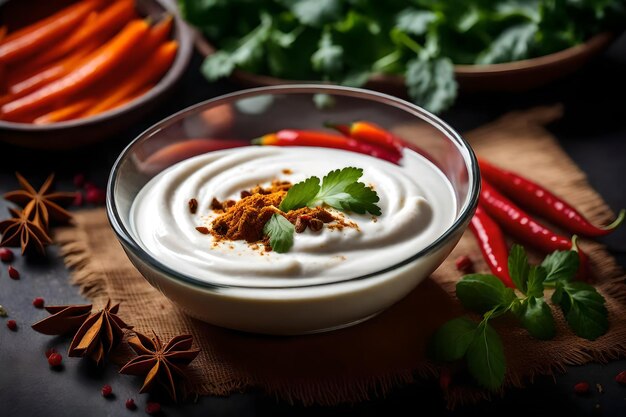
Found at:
<point>6,255</point>
<point>55,359</point>
<point>38,302</point>
<point>13,273</point>
<point>43,205</point>
<point>99,334</point>
<point>245,193</point>
<point>245,219</point>
<point>64,319</point>
<point>203,230</point>
<point>216,205</point>
<point>621,378</point>
<point>316,224</point>
<point>12,325</point>
<point>193,206</point>
<point>153,408</point>
<point>21,231</point>
<point>300,225</point>
<point>581,388</point>
<point>287,171</point>
<point>107,391</point>
<point>3,312</point>
<point>130,404</point>
<point>464,264</point>
<point>161,363</point>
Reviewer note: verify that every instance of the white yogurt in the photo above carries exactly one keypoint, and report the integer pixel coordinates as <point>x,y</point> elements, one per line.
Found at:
<point>416,200</point>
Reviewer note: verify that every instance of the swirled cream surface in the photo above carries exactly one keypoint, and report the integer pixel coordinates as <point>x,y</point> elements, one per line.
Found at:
<point>416,200</point>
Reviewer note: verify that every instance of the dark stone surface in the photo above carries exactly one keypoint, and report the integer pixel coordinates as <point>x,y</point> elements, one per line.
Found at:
<point>593,133</point>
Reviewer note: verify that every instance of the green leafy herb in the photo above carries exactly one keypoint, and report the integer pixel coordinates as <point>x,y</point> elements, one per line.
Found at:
<point>485,357</point>
<point>561,265</point>
<point>339,189</point>
<point>280,231</point>
<point>583,307</point>
<point>348,41</point>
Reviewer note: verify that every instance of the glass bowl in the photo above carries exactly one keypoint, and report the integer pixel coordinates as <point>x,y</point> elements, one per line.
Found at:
<point>293,306</point>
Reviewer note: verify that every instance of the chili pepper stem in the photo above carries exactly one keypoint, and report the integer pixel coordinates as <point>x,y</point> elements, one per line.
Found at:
<point>617,222</point>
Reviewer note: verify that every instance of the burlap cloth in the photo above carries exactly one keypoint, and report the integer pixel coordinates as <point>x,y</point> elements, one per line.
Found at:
<point>357,363</point>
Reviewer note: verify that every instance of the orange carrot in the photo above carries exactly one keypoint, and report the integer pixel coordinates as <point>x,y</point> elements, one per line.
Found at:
<point>33,41</point>
<point>100,27</point>
<point>94,67</point>
<point>52,73</point>
<point>134,96</point>
<point>148,73</point>
<point>65,113</point>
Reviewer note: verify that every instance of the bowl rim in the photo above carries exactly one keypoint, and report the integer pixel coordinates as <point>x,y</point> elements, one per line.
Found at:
<point>462,218</point>
<point>181,33</point>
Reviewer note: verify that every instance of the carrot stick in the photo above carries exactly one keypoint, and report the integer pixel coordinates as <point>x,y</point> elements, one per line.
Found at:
<point>94,67</point>
<point>101,27</point>
<point>65,113</point>
<point>134,96</point>
<point>34,41</point>
<point>52,73</point>
<point>148,73</point>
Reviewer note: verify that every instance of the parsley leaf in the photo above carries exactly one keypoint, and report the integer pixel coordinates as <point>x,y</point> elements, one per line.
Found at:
<point>485,357</point>
<point>339,190</point>
<point>450,341</point>
<point>430,82</point>
<point>584,308</point>
<point>300,194</point>
<point>481,292</point>
<point>535,316</point>
<point>561,265</point>
<point>518,267</point>
<point>536,277</point>
<point>280,231</point>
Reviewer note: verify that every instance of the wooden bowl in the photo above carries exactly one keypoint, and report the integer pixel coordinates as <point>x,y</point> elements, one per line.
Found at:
<point>508,77</point>
<point>80,132</point>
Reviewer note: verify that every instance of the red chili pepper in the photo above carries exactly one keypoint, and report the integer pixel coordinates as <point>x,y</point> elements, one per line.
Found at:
<point>372,133</point>
<point>289,137</point>
<point>524,227</point>
<point>492,245</point>
<point>537,198</point>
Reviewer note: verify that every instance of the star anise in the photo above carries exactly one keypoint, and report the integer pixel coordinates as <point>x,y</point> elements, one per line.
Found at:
<point>64,319</point>
<point>21,231</point>
<point>43,205</point>
<point>99,334</point>
<point>161,363</point>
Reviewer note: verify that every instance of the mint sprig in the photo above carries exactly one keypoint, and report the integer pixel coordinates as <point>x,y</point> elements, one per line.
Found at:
<point>339,189</point>
<point>583,307</point>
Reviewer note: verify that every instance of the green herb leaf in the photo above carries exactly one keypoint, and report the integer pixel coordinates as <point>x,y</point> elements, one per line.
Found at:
<point>451,340</point>
<point>328,59</point>
<point>430,82</point>
<point>300,194</point>
<point>561,265</point>
<point>536,317</point>
<point>280,231</point>
<point>485,357</point>
<point>341,191</point>
<point>584,308</point>
<point>536,277</point>
<point>481,292</point>
<point>415,22</point>
<point>518,267</point>
<point>512,45</point>
<point>314,12</point>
